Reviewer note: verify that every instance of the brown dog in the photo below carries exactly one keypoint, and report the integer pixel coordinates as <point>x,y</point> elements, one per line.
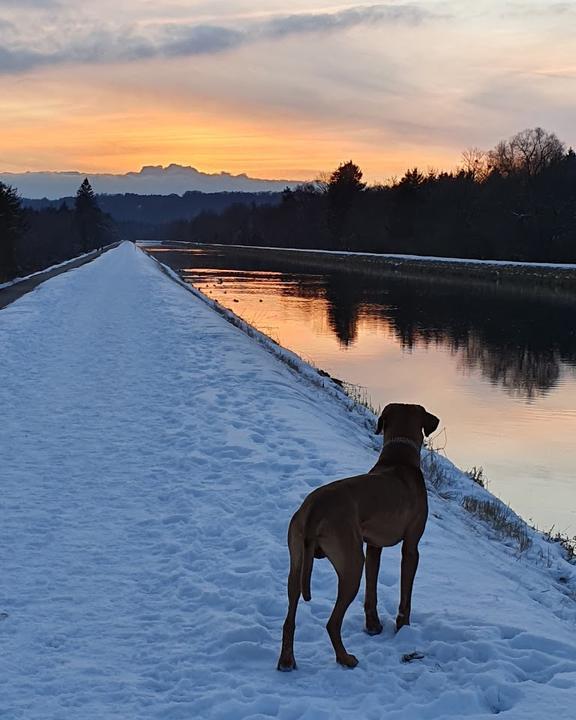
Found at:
<point>381,508</point>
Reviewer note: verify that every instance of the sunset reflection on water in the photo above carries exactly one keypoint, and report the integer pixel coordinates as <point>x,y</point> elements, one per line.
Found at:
<point>497,365</point>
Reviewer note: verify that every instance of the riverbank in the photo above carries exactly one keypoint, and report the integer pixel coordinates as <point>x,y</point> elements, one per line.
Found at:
<point>151,465</point>
<point>546,276</point>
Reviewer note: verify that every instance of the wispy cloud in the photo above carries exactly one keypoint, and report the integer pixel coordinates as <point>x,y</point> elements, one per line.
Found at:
<point>97,45</point>
<point>551,9</point>
<point>20,4</point>
<point>345,19</point>
<point>13,61</point>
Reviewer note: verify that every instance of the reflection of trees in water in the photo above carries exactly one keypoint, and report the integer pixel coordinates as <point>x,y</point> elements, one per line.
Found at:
<point>343,300</point>
<point>343,306</point>
<point>516,338</point>
<point>520,372</point>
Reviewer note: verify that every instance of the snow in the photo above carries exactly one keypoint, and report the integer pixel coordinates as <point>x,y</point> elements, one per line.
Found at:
<point>401,257</point>
<point>17,280</point>
<point>153,454</point>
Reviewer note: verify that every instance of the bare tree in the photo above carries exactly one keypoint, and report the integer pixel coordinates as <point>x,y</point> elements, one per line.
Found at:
<point>528,152</point>
<point>475,163</point>
<point>322,181</point>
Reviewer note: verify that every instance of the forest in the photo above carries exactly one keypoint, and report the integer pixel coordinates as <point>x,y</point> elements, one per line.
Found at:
<point>145,217</point>
<point>514,202</point>
<point>33,239</point>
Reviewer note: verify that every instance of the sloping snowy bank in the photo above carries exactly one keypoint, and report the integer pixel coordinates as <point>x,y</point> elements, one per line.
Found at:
<point>152,455</point>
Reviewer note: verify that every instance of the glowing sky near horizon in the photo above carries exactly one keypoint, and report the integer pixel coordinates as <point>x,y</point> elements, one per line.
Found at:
<point>277,89</point>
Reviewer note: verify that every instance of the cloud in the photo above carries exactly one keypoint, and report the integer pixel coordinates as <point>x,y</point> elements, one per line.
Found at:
<point>19,60</point>
<point>524,9</point>
<point>7,27</point>
<point>20,4</point>
<point>178,41</point>
<point>124,44</point>
<point>344,19</point>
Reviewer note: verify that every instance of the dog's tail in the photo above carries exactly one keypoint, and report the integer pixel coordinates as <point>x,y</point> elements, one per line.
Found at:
<point>307,563</point>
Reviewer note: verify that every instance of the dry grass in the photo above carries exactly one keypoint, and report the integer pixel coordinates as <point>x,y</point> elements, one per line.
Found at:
<point>501,519</point>
<point>434,471</point>
<point>359,396</point>
<point>477,475</point>
<point>568,544</point>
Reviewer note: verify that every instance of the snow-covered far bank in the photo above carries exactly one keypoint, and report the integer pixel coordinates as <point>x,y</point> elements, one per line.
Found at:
<point>153,454</point>
<point>395,256</point>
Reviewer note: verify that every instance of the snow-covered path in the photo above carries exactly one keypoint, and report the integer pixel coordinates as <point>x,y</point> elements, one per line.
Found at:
<point>152,455</point>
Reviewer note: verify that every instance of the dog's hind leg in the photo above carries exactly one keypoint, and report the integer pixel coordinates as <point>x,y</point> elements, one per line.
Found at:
<point>373,624</point>
<point>286,661</point>
<point>348,561</point>
<point>410,557</point>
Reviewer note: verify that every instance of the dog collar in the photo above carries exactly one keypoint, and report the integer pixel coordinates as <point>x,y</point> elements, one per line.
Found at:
<point>403,441</point>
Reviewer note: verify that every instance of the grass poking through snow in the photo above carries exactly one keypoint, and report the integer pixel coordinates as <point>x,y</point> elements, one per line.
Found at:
<point>501,519</point>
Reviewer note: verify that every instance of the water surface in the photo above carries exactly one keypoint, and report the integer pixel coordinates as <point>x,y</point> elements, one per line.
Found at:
<point>497,365</point>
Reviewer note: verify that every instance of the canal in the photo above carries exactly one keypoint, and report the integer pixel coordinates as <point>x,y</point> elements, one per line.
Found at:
<point>496,363</point>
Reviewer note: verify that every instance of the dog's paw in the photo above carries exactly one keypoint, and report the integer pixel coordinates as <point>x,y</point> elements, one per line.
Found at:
<point>286,665</point>
<point>373,628</point>
<point>401,620</point>
<point>347,660</point>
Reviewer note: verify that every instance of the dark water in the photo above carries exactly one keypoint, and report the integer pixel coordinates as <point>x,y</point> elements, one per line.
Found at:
<point>496,365</point>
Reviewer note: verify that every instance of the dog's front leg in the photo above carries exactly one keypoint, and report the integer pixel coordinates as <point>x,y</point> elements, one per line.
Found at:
<point>373,624</point>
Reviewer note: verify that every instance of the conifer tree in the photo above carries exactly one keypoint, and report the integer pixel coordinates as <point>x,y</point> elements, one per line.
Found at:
<point>344,187</point>
<point>11,229</point>
<point>88,217</point>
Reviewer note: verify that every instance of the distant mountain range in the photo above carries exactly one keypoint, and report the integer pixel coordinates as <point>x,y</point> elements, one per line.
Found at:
<point>150,180</point>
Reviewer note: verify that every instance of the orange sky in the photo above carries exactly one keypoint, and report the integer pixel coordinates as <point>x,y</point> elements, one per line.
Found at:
<point>114,130</point>
<point>277,90</point>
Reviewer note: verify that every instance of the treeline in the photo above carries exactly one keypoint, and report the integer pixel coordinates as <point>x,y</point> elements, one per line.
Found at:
<point>516,201</point>
<point>31,239</point>
<point>142,217</point>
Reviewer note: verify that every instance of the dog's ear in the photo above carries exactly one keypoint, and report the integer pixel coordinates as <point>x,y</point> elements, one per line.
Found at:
<point>429,422</point>
<point>381,421</point>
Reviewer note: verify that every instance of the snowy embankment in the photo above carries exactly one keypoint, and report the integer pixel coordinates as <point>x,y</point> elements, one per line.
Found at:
<point>44,271</point>
<point>393,256</point>
<point>152,455</point>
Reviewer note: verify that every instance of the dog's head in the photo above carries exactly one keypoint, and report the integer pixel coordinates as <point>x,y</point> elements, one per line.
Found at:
<point>399,420</point>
